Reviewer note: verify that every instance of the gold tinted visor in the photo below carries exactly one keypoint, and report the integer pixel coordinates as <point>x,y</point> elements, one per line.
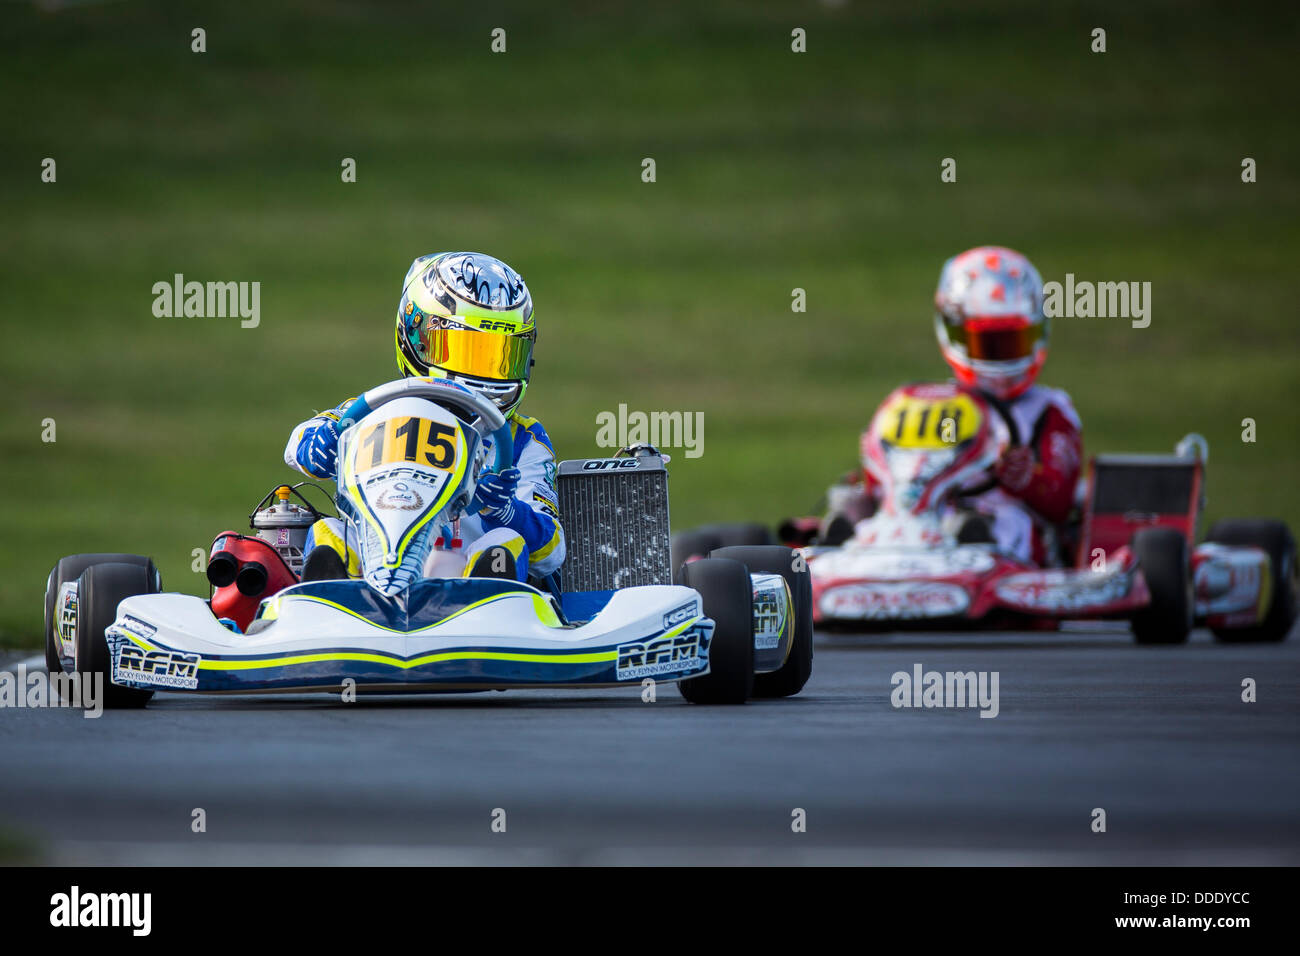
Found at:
<point>994,340</point>
<point>478,354</point>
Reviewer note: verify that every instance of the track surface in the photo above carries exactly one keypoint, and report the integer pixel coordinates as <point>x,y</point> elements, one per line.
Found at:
<point>1158,737</point>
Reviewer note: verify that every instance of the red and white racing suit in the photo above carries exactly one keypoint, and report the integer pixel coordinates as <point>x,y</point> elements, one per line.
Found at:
<point>1036,480</point>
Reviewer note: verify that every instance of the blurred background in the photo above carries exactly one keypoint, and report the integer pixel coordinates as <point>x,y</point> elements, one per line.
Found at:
<point>775,171</point>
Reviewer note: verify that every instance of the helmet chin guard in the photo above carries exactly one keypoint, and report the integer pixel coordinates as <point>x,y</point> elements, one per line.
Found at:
<point>505,395</point>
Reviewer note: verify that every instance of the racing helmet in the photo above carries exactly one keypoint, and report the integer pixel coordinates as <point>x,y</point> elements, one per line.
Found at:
<point>468,317</point>
<point>989,320</point>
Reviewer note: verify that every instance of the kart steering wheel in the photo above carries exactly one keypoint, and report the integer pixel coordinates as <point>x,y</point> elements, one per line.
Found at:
<point>488,420</point>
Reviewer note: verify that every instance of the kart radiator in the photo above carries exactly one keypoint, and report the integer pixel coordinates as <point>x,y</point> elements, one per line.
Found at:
<point>1153,485</point>
<point>615,517</point>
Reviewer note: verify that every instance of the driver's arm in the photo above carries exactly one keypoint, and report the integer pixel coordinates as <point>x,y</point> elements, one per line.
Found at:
<point>1048,481</point>
<point>313,445</point>
<point>539,522</point>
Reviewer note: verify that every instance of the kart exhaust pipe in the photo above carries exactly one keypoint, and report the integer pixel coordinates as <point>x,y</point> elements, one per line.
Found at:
<point>223,567</point>
<point>251,579</point>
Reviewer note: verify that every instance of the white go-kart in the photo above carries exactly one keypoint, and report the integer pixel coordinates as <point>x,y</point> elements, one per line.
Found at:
<point>411,453</point>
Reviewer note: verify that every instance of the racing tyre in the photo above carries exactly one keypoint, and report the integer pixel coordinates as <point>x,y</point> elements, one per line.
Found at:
<point>100,589</point>
<point>700,542</point>
<point>689,546</point>
<point>790,677</point>
<point>69,569</point>
<point>1276,539</point>
<point>729,600</point>
<point>838,531</point>
<point>748,534</point>
<point>1162,555</point>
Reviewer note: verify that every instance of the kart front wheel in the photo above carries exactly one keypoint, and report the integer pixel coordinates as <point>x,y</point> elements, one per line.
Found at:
<point>789,678</point>
<point>69,569</point>
<point>1162,557</point>
<point>1276,540</point>
<point>100,589</point>
<point>728,598</point>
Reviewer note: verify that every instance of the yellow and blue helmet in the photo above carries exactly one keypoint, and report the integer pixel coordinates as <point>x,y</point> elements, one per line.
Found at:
<point>468,317</point>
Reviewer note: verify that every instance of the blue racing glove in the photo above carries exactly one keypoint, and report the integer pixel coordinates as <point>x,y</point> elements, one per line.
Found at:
<point>318,451</point>
<point>497,495</point>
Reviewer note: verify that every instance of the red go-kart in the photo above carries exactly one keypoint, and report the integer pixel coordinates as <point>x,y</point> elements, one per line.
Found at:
<point>923,557</point>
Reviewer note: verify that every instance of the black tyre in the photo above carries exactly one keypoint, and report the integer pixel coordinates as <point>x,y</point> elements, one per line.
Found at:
<point>837,531</point>
<point>690,545</point>
<point>100,589</point>
<point>740,535</point>
<point>69,569</point>
<point>1276,539</point>
<point>1162,555</point>
<point>700,542</point>
<point>789,679</point>
<point>728,599</point>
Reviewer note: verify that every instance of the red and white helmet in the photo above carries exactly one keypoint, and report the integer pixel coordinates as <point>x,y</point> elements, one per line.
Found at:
<point>989,320</point>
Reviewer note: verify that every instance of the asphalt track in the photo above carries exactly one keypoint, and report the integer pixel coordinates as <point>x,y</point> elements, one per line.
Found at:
<point>1159,738</point>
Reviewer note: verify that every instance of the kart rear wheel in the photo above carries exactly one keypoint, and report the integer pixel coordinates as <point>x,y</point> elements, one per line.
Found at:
<point>100,589</point>
<point>838,531</point>
<point>1275,538</point>
<point>699,542</point>
<point>691,546</point>
<point>69,569</point>
<point>1162,556</point>
<point>741,534</point>
<point>789,678</point>
<point>728,598</point>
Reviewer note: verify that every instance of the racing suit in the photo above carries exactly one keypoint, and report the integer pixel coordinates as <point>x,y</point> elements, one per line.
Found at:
<point>1036,480</point>
<point>532,533</point>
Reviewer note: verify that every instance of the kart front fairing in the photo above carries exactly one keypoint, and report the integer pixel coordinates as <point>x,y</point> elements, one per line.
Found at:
<point>439,634</point>
<point>968,582</point>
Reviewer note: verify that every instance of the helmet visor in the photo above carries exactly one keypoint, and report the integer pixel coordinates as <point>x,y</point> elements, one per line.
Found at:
<point>996,340</point>
<point>479,354</point>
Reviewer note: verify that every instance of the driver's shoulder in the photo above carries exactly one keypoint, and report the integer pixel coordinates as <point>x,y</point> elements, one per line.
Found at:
<point>530,430</point>
<point>1036,400</point>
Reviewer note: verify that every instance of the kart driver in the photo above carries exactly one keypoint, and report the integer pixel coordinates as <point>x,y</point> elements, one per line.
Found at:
<point>467,317</point>
<point>993,333</point>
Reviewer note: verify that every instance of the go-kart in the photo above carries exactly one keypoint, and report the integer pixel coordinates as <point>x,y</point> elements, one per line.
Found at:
<point>921,559</point>
<point>410,456</point>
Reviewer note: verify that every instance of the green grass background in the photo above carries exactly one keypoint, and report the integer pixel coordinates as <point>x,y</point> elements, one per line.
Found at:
<point>775,171</point>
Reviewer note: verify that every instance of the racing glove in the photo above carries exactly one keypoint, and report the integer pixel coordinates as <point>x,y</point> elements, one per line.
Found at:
<point>318,451</point>
<point>1015,469</point>
<point>497,495</point>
